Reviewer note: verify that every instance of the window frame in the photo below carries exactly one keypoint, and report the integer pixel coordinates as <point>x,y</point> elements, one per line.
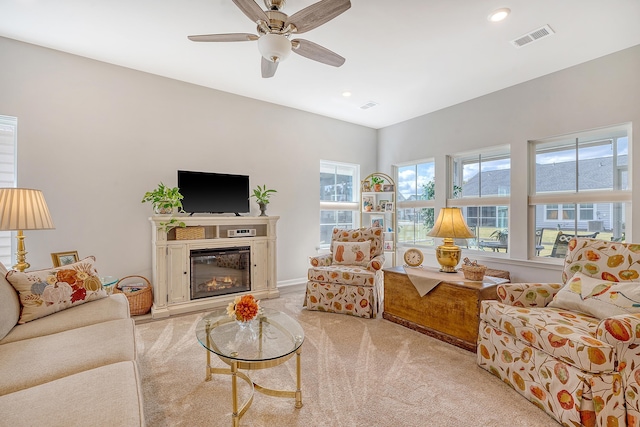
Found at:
<point>576,196</point>
<point>417,204</point>
<point>8,179</point>
<point>338,206</point>
<point>497,201</point>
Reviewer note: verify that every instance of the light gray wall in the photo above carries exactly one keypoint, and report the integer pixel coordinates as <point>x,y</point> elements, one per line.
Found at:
<point>598,93</point>
<point>94,137</point>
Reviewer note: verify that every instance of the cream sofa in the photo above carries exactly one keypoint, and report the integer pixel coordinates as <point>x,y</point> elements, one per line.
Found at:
<point>76,367</point>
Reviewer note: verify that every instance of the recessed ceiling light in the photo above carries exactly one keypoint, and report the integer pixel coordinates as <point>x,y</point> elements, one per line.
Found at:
<point>346,94</point>
<point>499,14</point>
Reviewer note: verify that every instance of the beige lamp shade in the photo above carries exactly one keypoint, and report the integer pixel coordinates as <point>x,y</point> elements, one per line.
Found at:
<point>451,223</point>
<point>23,209</point>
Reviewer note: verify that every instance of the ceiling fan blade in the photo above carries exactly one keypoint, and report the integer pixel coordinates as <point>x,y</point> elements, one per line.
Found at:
<point>317,14</point>
<point>232,37</point>
<point>268,68</point>
<point>252,10</point>
<point>316,52</point>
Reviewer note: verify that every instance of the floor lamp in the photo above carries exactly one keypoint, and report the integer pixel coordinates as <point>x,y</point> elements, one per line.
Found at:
<point>23,209</point>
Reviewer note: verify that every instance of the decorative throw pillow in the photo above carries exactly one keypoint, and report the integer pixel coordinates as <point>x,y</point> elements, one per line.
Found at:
<point>598,298</point>
<point>351,253</point>
<point>44,292</point>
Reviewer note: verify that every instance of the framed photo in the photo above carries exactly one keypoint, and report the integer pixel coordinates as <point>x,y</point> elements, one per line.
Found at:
<point>388,245</point>
<point>388,207</point>
<point>366,186</point>
<point>387,187</point>
<point>368,203</point>
<point>64,258</point>
<point>382,204</point>
<point>377,221</point>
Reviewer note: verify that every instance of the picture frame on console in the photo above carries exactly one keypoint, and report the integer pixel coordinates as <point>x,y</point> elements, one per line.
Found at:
<point>64,258</point>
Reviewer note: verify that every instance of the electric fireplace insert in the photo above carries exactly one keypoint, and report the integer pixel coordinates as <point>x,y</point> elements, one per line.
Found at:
<point>220,271</point>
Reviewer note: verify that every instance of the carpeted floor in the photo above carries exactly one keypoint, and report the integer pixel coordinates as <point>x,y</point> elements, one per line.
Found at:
<point>355,372</point>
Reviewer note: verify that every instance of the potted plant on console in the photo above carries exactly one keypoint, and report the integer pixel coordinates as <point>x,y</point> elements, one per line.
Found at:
<point>165,201</point>
<point>262,197</point>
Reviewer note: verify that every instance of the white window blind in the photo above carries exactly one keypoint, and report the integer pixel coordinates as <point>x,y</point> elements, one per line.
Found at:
<point>8,141</point>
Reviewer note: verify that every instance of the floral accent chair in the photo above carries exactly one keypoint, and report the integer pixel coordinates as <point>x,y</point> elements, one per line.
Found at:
<point>349,279</point>
<point>572,348</point>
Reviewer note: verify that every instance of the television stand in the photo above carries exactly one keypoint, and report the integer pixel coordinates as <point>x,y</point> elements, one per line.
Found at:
<point>172,267</point>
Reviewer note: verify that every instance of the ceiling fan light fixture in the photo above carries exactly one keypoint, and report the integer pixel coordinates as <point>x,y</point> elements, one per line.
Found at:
<point>274,47</point>
<point>499,14</point>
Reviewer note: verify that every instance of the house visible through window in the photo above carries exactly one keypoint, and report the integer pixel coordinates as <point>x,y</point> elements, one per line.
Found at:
<point>339,206</point>
<point>482,188</point>
<point>8,141</point>
<point>581,187</point>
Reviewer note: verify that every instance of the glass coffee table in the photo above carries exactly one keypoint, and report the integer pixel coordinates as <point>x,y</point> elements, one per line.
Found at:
<point>269,340</point>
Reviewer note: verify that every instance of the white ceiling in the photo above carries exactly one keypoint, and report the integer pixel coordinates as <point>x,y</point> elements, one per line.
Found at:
<point>411,57</point>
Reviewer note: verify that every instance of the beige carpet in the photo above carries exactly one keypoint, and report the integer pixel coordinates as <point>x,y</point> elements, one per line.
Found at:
<point>355,372</point>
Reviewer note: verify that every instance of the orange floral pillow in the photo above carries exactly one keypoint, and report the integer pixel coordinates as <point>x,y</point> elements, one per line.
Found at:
<point>44,292</point>
<point>351,253</point>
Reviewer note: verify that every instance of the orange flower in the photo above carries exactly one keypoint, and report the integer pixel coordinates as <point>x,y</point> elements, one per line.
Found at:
<point>244,308</point>
<point>68,276</point>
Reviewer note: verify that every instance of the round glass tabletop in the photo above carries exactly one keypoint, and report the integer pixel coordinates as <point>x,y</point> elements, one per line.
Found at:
<point>272,335</point>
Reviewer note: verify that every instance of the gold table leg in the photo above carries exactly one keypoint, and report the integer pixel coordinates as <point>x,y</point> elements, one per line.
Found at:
<point>234,393</point>
<point>298,379</point>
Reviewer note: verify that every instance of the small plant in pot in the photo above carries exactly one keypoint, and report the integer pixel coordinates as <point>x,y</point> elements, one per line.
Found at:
<point>262,195</point>
<point>376,183</point>
<point>164,199</point>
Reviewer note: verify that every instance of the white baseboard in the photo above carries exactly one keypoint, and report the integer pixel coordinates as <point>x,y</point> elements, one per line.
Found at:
<point>292,285</point>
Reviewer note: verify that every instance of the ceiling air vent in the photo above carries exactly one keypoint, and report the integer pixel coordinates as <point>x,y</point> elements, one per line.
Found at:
<point>368,105</point>
<point>533,36</point>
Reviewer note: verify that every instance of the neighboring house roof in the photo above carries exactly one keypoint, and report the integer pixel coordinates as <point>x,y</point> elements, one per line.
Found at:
<point>594,174</point>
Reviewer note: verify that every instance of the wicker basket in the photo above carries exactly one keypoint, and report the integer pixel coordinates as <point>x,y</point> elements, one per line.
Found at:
<point>474,272</point>
<point>189,233</point>
<point>139,301</point>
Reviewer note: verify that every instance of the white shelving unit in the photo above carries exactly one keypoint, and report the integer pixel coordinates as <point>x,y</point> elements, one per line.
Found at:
<point>378,207</point>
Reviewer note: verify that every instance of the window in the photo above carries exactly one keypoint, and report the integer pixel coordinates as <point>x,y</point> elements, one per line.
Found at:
<point>580,186</point>
<point>339,206</point>
<point>481,186</point>
<point>8,140</point>
<point>554,211</point>
<point>415,202</point>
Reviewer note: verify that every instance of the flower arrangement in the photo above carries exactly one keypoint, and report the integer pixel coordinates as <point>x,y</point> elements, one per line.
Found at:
<point>244,308</point>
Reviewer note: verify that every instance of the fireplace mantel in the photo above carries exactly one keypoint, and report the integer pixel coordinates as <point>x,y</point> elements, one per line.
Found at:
<point>171,267</point>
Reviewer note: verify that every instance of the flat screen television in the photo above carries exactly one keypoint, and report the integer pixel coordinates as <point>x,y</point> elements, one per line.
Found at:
<point>206,192</point>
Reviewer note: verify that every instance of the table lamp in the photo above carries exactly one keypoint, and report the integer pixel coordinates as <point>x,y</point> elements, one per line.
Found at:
<point>450,225</point>
<point>23,209</point>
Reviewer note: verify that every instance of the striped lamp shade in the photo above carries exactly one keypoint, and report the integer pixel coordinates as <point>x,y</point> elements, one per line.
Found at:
<point>23,209</point>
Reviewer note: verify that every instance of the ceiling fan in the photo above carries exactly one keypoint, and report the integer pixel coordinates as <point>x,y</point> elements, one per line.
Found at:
<point>275,29</point>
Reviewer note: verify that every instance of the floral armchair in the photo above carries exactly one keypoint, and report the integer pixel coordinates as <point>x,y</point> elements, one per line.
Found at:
<point>572,348</point>
<point>349,279</point>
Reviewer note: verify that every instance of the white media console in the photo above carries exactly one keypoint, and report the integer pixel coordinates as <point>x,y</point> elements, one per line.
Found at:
<point>171,264</point>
